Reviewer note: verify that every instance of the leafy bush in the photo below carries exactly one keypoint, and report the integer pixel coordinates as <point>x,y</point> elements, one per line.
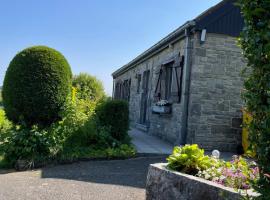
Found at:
<point>189,159</point>
<point>255,42</point>
<point>80,130</point>
<point>88,87</point>
<point>5,125</point>
<point>82,153</point>
<point>36,145</point>
<point>27,144</point>
<point>114,114</point>
<point>76,136</point>
<point>36,86</point>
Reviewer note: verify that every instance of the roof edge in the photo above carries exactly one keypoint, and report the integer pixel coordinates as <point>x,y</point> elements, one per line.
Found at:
<point>155,47</point>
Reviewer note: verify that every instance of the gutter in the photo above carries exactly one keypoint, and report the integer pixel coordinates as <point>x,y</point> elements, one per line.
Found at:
<point>154,49</point>
<point>187,74</point>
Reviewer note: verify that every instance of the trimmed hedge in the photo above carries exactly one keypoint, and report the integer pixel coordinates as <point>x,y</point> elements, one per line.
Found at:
<point>114,114</point>
<point>36,86</point>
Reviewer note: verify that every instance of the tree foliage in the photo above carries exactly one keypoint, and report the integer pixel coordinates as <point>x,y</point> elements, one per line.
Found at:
<point>36,86</point>
<point>88,87</point>
<point>255,42</point>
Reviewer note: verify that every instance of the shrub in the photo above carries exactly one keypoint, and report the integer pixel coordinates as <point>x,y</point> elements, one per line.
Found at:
<point>36,86</point>
<point>255,42</point>
<point>88,87</point>
<point>4,123</point>
<point>37,145</point>
<point>77,153</point>
<point>29,144</point>
<point>114,114</point>
<point>188,159</point>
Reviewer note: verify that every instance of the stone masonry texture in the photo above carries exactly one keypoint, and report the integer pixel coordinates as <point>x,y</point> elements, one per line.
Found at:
<point>166,127</point>
<point>214,114</point>
<point>163,184</point>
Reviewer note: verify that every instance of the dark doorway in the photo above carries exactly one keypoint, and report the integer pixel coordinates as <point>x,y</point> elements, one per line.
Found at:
<point>144,97</point>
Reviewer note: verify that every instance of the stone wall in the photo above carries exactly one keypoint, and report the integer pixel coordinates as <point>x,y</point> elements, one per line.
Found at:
<point>163,184</point>
<point>215,104</point>
<point>165,126</point>
<point>214,116</point>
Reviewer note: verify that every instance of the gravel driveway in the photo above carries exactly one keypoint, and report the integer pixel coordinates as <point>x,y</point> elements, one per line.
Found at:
<point>95,180</point>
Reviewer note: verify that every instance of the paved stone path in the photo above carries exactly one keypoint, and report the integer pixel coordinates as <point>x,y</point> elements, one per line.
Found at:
<point>91,180</point>
<point>149,144</point>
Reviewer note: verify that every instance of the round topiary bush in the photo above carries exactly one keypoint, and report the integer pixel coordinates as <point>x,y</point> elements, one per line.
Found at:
<point>36,86</point>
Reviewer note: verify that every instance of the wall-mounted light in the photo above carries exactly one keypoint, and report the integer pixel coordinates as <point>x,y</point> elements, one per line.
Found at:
<point>203,36</point>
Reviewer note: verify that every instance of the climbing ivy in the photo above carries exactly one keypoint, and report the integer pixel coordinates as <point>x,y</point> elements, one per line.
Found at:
<point>255,42</point>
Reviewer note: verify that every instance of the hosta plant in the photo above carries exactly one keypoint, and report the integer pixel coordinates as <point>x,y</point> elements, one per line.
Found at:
<point>189,159</point>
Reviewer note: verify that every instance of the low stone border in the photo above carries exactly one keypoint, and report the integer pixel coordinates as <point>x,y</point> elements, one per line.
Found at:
<point>164,184</point>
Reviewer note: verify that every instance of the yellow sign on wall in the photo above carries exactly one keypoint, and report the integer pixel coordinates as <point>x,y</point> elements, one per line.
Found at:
<point>247,117</point>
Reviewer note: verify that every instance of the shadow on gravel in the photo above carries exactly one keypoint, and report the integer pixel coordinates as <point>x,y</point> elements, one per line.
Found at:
<point>131,172</point>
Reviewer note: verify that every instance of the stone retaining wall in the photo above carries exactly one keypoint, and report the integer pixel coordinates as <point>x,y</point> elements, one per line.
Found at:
<point>164,184</point>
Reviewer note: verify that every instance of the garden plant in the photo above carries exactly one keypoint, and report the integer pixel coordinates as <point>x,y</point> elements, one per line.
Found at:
<point>46,120</point>
<point>255,42</point>
<point>237,174</point>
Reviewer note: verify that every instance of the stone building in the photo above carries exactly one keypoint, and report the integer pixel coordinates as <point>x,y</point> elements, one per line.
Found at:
<point>195,73</point>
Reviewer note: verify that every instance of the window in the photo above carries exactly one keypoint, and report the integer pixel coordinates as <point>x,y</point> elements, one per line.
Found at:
<point>169,81</point>
<point>164,82</point>
<point>122,90</point>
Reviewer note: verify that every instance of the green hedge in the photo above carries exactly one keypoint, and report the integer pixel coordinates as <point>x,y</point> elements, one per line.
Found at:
<point>255,42</point>
<point>114,114</point>
<point>36,86</point>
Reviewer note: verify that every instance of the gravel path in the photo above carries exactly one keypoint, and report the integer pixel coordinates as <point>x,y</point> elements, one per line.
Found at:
<point>95,180</point>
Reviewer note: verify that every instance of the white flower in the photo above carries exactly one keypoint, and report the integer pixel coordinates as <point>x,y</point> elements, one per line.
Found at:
<point>162,103</point>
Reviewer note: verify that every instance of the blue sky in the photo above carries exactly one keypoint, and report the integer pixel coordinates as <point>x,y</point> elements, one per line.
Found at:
<point>96,36</point>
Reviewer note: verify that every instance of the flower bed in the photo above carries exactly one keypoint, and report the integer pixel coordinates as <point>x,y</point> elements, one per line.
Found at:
<point>163,184</point>
<point>188,169</point>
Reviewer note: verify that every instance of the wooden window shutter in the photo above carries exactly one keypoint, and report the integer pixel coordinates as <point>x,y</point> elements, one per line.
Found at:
<point>168,81</point>
<point>163,83</point>
<point>177,81</point>
<point>157,95</point>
